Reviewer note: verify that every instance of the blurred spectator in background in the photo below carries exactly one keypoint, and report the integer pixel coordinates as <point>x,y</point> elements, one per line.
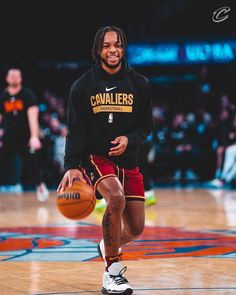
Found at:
<point>146,159</point>
<point>182,137</point>
<point>154,154</point>
<point>204,144</point>
<point>53,130</point>
<point>224,128</point>
<point>59,132</point>
<point>20,141</point>
<point>228,173</point>
<point>55,105</point>
<point>204,93</point>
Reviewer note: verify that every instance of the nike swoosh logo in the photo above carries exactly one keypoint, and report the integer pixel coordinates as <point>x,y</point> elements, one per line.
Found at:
<point>109,89</point>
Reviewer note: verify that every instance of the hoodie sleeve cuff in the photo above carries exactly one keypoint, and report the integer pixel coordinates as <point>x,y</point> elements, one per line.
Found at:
<point>131,141</point>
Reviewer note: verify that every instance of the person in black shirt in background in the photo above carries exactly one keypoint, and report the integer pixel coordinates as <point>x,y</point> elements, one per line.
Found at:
<point>109,116</point>
<point>19,116</point>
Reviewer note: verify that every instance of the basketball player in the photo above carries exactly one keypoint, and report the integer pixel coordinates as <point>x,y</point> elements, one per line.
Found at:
<point>19,112</point>
<point>109,116</point>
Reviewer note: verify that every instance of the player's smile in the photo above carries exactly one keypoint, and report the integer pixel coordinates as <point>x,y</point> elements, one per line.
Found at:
<point>113,59</point>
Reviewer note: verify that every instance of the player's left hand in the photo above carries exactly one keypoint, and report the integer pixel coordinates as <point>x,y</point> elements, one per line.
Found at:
<point>121,143</point>
<point>34,143</point>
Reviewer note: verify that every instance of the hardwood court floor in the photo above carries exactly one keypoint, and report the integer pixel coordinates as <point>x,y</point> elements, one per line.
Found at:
<point>188,247</point>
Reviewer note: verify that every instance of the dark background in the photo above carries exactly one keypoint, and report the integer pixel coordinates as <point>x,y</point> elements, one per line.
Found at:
<point>38,36</point>
<point>64,31</point>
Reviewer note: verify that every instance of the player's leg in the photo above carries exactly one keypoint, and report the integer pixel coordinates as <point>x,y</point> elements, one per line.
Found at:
<point>134,213</point>
<point>133,221</point>
<point>109,186</point>
<point>111,189</point>
<point>113,280</point>
<point>102,173</point>
<point>132,226</point>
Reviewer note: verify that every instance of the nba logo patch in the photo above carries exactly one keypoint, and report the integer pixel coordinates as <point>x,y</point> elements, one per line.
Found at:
<point>110,118</point>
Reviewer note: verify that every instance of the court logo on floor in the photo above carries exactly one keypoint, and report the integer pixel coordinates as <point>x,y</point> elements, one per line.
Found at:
<point>79,243</point>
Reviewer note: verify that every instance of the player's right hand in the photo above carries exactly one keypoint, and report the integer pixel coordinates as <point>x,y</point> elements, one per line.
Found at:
<point>69,177</point>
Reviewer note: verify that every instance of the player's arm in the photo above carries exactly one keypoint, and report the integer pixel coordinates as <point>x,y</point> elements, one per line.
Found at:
<point>76,139</point>
<point>143,129</point>
<point>145,121</point>
<point>33,118</point>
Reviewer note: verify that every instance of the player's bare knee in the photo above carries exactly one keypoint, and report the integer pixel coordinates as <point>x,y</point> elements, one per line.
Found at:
<point>136,231</point>
<point>116,203</point>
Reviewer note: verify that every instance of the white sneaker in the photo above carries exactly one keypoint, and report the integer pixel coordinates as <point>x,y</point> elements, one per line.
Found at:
<point>101,249</point>
<point>216,183</point>
<point>114,282</point>
<point>42,192</point>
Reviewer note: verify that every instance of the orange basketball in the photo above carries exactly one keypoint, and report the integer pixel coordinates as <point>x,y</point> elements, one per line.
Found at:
<point>76,202</point>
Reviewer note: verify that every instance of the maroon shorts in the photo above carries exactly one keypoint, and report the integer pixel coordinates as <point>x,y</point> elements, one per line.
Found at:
<point>131,179</point>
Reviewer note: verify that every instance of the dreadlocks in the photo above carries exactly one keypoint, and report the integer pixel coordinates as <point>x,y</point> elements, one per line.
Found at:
<point>99,37</point>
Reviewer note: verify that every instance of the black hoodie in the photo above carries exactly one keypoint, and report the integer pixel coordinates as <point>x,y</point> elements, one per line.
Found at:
<point>103,106</point>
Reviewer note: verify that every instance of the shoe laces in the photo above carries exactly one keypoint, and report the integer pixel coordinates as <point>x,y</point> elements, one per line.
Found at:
<point>120,279</point>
